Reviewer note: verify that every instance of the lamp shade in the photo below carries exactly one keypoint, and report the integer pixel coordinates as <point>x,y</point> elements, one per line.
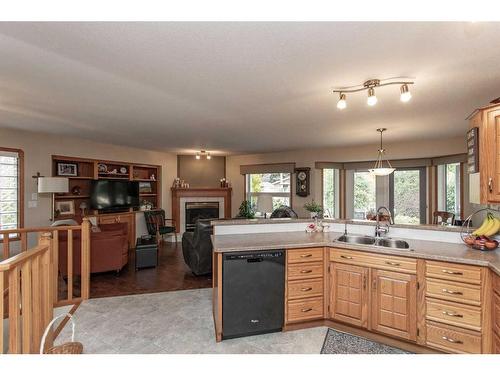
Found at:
<point>53,185</point>
<point>265,203</point>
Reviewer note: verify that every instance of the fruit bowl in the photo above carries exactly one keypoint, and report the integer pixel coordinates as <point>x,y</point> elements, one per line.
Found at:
<point>481,238</point>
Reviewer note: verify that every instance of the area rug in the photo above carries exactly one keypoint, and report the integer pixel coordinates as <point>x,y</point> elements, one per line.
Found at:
<point>337,342</point>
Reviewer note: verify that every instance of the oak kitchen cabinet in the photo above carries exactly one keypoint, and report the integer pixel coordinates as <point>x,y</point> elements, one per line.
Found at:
<point>487,119</point>
<point>349,294</point>
<point>374,291</point>
<point>394,304</point>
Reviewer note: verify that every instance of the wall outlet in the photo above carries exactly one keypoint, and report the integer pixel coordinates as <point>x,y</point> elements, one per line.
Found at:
<point>32,204</point>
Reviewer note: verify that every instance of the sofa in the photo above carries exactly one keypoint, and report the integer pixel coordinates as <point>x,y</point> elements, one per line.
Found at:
<point>197,248</point>
<point>108,249</point>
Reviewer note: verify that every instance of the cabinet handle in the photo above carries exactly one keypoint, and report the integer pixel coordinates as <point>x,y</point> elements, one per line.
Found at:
<point>453,314</point>
<point>452,292</point>
<point>306,255</point>
<point>306,271</point>
<point>374,284</point>
<point>490,184</point>
<point>346,257</point>
<point>364,282</point>
<point>393,264</point>
<point>306,289</point>
<point>306,310</point>
<point>453,272</point>
<point>452,340</point>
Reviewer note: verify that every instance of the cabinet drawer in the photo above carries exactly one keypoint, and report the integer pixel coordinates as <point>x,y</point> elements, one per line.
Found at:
<point>454,272</point>
<point>305,255</point>
<point>380,261</point>
<point>305,309</point>
<point>304,271</point>
<point>453,340</point>
<point>496,344</point>
<point>108,220</point>
<point>454,314</point>
<point>305,288</point>
<point>452,291</point>
<point>496,283</point>
<point>496,313</point>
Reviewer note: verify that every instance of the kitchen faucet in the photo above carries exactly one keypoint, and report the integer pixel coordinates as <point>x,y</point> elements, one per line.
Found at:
<point>383,230</point>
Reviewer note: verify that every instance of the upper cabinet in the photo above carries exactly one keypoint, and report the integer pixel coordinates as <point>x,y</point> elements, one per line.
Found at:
<point>488,121</point>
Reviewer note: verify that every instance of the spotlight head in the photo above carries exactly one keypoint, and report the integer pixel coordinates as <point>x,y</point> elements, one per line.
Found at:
<point>372,99</point>
<point>341,104</point>
<point>405,93</point>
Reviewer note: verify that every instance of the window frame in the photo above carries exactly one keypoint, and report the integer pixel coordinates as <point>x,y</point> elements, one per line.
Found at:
<point>20,190</point>
<point>422,191</point>
<point>288,195</point>
<point>438,192</point>
<point>336,192</point>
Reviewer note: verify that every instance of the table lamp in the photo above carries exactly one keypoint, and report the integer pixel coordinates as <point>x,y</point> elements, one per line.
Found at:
<point>52,185</point>
<point>265,204</point>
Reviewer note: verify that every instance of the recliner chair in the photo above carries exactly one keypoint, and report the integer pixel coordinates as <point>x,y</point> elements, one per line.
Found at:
<point>197,248</point>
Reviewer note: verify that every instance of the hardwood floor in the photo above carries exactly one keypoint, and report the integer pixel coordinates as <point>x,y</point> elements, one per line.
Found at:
<point>171,274</point>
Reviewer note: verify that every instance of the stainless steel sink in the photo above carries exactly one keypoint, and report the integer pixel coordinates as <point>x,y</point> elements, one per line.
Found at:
<point>396,244</point>
<point>360,240</point>
<point>368,240</point>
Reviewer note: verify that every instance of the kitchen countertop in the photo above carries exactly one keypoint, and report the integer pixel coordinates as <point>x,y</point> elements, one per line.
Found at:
<point>431,250</point>
<point>447,228</point>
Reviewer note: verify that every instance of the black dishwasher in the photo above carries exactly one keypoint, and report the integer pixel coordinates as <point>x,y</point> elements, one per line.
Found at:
<point>253,292</point>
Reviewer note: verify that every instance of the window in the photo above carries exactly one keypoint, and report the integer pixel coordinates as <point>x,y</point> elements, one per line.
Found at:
<point>268,191</point>
<point>449,189</point>
<point>331,193</point>
<point>11,182</point>
<point>365,196</point>
<point>407,195</point>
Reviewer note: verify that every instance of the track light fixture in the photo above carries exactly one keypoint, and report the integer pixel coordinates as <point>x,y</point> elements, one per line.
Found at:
<point>370,85</point>
<point>203,153</point>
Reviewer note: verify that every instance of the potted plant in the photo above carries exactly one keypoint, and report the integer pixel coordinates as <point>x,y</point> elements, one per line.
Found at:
<point>247,210</point>
<point>314,209</point>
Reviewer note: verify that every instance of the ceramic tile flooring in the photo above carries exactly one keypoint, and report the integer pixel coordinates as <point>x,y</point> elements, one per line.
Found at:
<point>173,322</point>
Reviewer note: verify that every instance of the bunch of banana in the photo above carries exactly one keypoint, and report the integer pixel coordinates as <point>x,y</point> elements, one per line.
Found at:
<point>489,227</point>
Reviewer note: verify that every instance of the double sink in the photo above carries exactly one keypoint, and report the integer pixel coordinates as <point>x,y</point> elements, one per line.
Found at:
<point>375,241</point>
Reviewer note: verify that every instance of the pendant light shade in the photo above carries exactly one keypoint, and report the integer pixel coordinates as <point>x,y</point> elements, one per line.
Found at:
<point>382,166</point>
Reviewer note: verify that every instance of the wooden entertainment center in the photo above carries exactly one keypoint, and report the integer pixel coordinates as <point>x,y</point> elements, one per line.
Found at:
<point>81,172</point>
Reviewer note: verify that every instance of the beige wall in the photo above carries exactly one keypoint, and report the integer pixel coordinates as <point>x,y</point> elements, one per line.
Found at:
<point>201,173</point>
<point>307,158</point>
<point>38,149</point>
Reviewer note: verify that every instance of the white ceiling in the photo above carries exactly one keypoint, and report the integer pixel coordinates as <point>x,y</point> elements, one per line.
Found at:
<point>243,87</point>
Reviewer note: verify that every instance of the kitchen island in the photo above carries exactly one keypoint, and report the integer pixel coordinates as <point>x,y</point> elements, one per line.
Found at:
<point>435,295</point>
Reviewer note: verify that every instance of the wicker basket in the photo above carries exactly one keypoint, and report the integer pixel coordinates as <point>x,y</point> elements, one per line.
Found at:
<point>72,347</point>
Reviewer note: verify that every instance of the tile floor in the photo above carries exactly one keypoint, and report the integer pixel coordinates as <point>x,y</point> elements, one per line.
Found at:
<point>173,322</point>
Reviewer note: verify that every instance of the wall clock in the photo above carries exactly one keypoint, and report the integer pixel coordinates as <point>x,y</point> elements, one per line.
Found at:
<point>302,181</point>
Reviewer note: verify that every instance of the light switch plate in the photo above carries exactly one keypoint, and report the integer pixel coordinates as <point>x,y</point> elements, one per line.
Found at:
<point>34,196</point>
<point>32,204</point>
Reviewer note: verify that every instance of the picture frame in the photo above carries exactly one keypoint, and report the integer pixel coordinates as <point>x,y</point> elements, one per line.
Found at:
<point>67,169</point>
<point>145,187</point>
<point>65,208</point>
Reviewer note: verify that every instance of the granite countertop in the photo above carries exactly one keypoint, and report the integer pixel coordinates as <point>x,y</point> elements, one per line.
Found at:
<point>432,250</point>
<point>447,228</point>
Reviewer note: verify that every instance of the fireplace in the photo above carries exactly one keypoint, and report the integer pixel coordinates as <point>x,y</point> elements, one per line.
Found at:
<point>200,210</point>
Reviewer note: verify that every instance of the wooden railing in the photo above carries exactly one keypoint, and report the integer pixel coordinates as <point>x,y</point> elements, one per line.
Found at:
<point>23,235</point>
<point>29,282</point>
<point>30,303</point>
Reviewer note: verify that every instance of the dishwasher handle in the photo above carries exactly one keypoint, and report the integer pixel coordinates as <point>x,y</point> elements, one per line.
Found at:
<point>254,260</point>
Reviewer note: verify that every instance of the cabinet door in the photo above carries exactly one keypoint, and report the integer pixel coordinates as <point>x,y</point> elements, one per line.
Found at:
<point>492,151</point>
<point>349,294</point>
<point>394,309</point>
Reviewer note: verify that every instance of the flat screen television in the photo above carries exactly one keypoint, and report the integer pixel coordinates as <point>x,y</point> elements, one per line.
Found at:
<point>113,195</point>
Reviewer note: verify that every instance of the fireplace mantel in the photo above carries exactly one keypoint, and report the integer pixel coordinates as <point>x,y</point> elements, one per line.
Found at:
<point>178,193</point>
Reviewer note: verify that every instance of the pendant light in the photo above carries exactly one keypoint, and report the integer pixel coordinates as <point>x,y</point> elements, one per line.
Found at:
<point>372,99</point>
<point>405,93</point>
<point>379,169</point>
